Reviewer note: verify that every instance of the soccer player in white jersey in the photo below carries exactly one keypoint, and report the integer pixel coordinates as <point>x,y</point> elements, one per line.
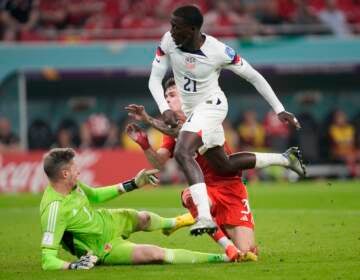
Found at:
<point>196,60</point>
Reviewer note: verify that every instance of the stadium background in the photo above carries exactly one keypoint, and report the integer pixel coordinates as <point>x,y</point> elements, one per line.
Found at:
<point>69,68</point>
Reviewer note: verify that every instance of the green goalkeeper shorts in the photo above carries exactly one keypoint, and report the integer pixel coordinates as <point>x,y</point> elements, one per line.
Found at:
<point>119,250</point>
<point>125,222</point>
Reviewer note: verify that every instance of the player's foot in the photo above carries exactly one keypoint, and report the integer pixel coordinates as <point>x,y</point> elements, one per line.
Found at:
<point>203,225</point>
<point>180,221</point>
<point>296,164</point>
<point>232,253</point>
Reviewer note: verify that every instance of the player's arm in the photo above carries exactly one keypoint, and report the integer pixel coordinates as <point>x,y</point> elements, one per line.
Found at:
<point>242,68</point>
<point>53,225</point>
<point>105,193</point>
<point>158,70</point>
<point>139,113</point>
<point>156,158</point>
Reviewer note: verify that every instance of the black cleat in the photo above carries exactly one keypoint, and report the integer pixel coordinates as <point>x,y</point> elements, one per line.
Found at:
<point>203,225</point>
<point>297,165</point>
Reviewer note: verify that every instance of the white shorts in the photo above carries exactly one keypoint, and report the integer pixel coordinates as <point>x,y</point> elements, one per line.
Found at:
<point>207,118</point>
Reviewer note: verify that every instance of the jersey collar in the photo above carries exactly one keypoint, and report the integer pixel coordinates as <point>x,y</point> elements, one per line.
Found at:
<point>198,52</point>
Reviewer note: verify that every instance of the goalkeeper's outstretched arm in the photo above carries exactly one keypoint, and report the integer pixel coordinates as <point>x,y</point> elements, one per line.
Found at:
<point>102,194</point>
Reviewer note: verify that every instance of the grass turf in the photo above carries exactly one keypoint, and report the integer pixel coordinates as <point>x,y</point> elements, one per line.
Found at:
<point>304,230</point>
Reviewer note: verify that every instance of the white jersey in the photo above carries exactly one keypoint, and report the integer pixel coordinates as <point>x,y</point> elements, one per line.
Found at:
<point>196,73</point>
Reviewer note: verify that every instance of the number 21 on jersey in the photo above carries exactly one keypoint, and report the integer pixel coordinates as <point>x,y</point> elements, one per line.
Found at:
<point>189,85</point>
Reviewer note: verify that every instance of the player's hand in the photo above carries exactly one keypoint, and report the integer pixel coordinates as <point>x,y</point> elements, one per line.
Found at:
<point>137,112</point>
<point>138,135</point>
<point>289,118</point>
<point>85,262</point>
<point>170,118</point>
<point>145,177</point>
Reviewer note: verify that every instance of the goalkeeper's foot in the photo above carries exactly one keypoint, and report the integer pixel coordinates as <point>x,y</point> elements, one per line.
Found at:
<point>203,225</point>
<point>296,164</point>
<point>180,221</point>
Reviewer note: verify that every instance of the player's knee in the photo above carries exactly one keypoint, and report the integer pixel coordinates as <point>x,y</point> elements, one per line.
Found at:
<point>158,255</point>
<point>244,248</point>
<point>143,220</point>
<point>186,197</point>
<point>255,250</point>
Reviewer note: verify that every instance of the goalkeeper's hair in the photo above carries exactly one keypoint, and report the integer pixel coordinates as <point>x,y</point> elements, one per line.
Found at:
<point>190,14</point>
<point>55,160</point>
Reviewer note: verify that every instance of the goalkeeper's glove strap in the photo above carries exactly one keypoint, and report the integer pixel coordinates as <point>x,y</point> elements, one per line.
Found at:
<point>129,185</point>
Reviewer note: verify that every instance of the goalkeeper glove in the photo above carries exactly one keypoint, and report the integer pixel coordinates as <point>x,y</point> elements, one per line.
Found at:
<point>141,179</point>
<point>145,177</point>
<point>85,262</point>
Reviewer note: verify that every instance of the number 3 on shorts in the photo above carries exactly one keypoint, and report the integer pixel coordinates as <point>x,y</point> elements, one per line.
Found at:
<point>246,206</point>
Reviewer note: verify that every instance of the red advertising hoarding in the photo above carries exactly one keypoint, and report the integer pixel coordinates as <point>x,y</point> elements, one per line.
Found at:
<point>23,172</point>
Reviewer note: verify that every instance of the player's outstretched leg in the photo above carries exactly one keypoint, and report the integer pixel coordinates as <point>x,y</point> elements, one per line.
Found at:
<point>185,149</point>
<point>224,164</point>
<point>148,221</point>
<point>125,252</point>
<point>183,220</point>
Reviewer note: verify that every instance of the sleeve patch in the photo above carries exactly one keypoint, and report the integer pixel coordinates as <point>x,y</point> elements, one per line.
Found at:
<point>48,239</point>
<point>230,52</point>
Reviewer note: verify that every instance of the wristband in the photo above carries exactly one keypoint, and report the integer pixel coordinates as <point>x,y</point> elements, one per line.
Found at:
<point>129,185</point>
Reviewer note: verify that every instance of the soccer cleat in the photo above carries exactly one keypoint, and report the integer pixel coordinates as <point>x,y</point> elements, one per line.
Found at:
<point>248,257</point>
<point>180,221</point>
<point>203,225</point>
<point>296,164</point>
<point>232,253</point>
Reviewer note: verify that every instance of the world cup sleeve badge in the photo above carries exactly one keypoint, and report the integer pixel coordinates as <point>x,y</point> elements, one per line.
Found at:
<point>230,52</point>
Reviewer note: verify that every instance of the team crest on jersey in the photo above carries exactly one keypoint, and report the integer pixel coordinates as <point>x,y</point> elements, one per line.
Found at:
<point>107,247</point>
<point>230,52</point>
<point>190,62</point>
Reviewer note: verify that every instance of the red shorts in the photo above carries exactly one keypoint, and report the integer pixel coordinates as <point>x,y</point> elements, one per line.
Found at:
<point>229,203</point>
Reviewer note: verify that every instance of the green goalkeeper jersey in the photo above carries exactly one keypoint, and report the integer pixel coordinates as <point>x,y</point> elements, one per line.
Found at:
<point>71,221</point>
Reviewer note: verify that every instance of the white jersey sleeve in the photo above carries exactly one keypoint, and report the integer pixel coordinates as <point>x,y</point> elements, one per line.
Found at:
<point>226,55</point>
<point>159,67</point>
<point>242,68</point>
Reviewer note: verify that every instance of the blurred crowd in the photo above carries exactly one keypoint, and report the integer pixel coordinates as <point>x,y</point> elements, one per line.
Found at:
<point>336,140</point>
<point>69,20</point>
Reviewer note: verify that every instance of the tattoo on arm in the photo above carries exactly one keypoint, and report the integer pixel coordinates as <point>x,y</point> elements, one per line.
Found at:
<point>162,127</point>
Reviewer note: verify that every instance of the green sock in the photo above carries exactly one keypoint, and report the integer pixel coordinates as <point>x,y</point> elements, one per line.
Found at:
<point>181,256</point>
<point>158,222</point>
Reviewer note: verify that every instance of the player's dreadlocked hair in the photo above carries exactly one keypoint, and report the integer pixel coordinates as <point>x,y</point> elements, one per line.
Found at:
<point>169,83</point>
<point>190,14</point>
<point>55,160</point>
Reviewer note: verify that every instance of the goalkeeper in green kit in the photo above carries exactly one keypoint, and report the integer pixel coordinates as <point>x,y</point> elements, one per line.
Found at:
<point>98,236</point>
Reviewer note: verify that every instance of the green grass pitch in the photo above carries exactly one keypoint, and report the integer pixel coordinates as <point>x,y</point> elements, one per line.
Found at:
<point>305,230</point>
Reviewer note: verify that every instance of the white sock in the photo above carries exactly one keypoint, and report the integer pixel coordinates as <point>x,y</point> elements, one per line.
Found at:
<point>267,159</point>
<point>201,201</point>
<point>224,242</point>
